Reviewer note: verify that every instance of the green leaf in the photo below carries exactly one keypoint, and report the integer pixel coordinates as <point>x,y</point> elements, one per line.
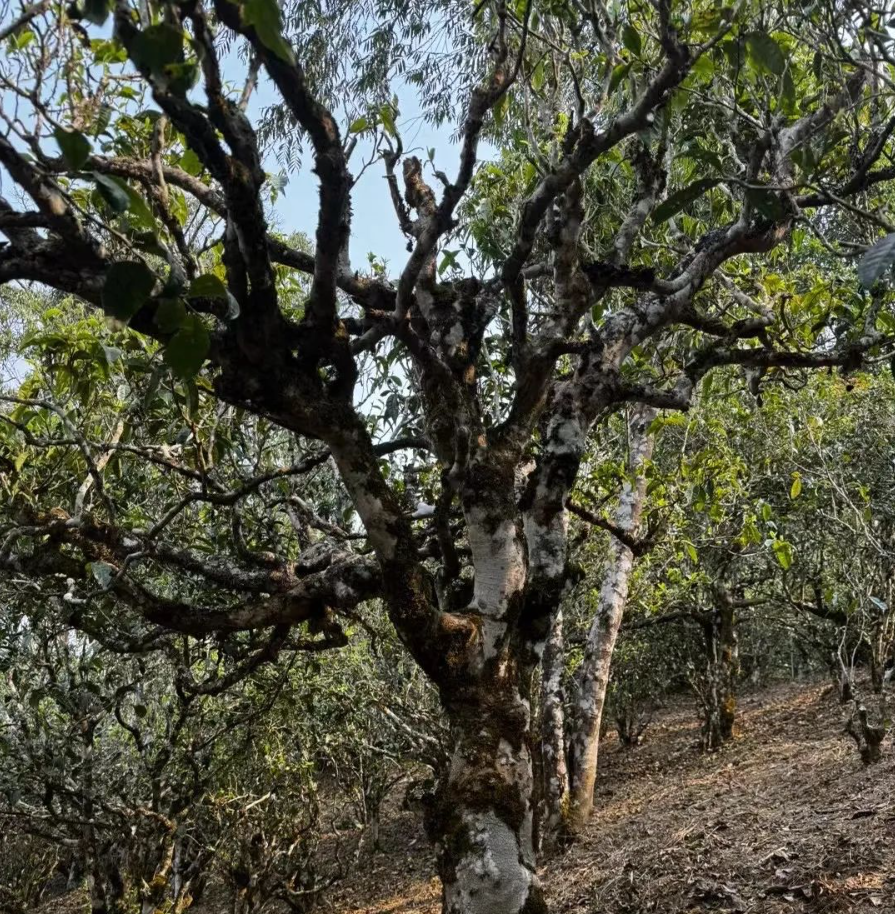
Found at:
<point>783,553</point>
<point>148,243</point>
<point>127,286</point>
<point>885,320</point>
<point>538,76</point>
<point>187,349</point>
<point>181,77</point>
<point>141,216</point>
<point>139,213</point>
<point>74,146</point>
<point>20,39</point>
<point>765,51</point>
<point>207,286</point>
<point>631,39</point>
<point>359,126</point>
<point>265,16</point>
<point>448,261</point>
<point>191,163</point>
<point>157,47</point>
<point>499,110</point>
<point>170,314</point>
<point>788,92</point>
<point>210,286</point>
<point>103,117</point>
<point>876,261</point>
<point>111,354</point>
<point>387,116</point>
<point>700,153</point>
<point>691,551</point>
<point>112,192</point>
<point>796,488</point>
<point>619,72</point>
<point>674,203</point>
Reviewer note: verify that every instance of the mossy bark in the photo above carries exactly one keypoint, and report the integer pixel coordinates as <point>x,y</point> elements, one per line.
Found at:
<point>483,818</point>
<point>554,773</point>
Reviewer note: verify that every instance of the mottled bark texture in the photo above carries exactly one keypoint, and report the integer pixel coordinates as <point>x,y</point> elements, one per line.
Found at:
<point>483,820</point>
<point>592,677</point>
<point>868,736</point>
<point>554,770</point>
<point>718,689</point>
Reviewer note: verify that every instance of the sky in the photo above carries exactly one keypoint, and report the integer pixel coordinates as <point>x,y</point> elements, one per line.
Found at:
<point>374,225</point>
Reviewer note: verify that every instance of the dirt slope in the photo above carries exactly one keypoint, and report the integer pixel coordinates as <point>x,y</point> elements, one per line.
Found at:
<point>784,821</point>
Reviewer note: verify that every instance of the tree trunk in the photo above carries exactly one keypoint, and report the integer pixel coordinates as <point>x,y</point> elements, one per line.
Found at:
<point>105,882</point>
<point>592,678</point>
<point>722,669</point>
<point>554,774</point>
<point>842,677</point>
<point>483,818</point>
<point>868,737</point>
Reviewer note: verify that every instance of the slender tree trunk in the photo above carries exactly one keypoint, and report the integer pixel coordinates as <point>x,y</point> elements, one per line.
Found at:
<point>729,644</point>
<point>592,677</point>
<point>722,669</point>
<point>553,750</point>
<point>868,737</point>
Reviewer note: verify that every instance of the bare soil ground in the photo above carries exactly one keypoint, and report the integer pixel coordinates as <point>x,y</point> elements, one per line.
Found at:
<point>783,821</point>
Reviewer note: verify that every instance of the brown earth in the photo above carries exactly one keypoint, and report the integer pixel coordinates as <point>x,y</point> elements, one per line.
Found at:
<point>783,821</point>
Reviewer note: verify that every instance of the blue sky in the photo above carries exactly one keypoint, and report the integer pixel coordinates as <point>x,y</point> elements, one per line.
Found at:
<point>374,225</point>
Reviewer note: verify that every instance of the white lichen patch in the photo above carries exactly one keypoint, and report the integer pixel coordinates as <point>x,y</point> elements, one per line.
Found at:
<point>490,878</point>
<point>499,559</point>
<point>493,632</point>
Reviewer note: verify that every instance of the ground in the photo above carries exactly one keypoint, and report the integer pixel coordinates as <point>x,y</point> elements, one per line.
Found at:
<point>783,821</point>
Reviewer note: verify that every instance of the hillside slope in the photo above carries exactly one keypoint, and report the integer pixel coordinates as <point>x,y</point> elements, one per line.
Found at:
<point>784,821</point>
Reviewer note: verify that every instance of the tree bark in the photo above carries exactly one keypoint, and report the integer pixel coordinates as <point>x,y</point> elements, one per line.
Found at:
<point>722,669</point>
<point>592,677</point>
<point>554,772</point>
<point>483,821</point>
<point>867,736</point>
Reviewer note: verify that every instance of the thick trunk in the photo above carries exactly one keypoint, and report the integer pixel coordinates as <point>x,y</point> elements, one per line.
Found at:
<point>554,774</point>
<point>592,678</point>
<point>105,883</point>
<point>483,819</point>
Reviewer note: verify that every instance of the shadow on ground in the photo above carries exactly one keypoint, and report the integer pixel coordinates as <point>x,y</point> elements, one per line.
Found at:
<point>783,821</point>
